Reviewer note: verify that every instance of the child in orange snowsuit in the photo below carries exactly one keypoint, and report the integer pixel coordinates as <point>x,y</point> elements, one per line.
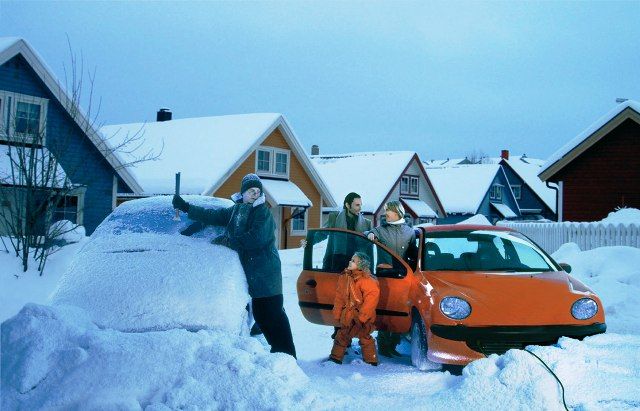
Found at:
<point>355,309</point>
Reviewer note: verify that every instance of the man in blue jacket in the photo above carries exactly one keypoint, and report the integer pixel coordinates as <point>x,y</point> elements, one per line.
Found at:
<point>251,232</point>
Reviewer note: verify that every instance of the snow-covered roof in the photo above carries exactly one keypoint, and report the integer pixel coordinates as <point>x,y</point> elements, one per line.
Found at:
<point>370,174</point>
<point>206,150</point>
<point>285,193</point>
<point>12,46</point>
<point>419,207</point>
<point>462,188</point>
<point>446,162</point>
<point>565,150</point>
<point>12,173</point>
<point>203,149</point>
<point>504,210</point>
<point>528,170</point>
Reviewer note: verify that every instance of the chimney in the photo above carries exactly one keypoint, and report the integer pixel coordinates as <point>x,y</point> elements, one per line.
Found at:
<point>504,154</point>
<point>315,150</point>
<point>164,114</point>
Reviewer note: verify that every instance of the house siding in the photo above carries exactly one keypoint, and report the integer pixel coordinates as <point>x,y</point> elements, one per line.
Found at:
<point>605,176</point>
<point>528,199</point>
<point>82,162</point>
<point>297,175</point>
<point>507,199</point>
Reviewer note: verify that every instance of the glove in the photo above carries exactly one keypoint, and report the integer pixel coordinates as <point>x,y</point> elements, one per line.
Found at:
<point>180,204</point>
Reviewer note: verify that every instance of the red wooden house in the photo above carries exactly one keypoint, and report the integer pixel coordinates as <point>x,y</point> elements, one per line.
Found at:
<point>599,170</point>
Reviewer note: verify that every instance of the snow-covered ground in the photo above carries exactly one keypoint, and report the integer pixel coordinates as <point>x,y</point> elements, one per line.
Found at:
<point>55,356</point>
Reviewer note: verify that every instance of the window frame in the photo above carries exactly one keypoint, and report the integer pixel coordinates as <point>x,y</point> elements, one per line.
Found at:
<point>306,222</point>
<point>273,152</point>
<point>410,178</point>
<point>495,192</point>
<point>8,111</point>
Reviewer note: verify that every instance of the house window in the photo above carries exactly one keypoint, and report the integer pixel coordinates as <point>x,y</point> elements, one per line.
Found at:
<point>517,191</point>
<point>22,117</point>
<point>409,185</point>
<point>66,209</point>
<point>298,221</point>
<point>264,161</point>
<point>281,163</point>
<point>272,161</point>
<point>496,192</point>
<point>27,118</point>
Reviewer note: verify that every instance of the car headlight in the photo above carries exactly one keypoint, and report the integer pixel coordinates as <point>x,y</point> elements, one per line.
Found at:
<point>455,308</point>
<point>584,309</point>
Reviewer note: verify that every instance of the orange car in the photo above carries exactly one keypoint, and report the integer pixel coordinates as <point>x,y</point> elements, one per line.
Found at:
<point>464,292</point>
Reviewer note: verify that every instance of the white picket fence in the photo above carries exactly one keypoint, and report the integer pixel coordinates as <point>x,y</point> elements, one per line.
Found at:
<point>550,236</point>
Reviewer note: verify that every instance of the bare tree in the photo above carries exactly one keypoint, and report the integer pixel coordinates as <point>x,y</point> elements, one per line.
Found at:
<point>477,157</point>
<point>35,188</point>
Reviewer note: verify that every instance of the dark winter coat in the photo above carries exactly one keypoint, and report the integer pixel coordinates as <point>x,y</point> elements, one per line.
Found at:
<point>338,244</point>
<point>397,237</point>
<point>251,232</point>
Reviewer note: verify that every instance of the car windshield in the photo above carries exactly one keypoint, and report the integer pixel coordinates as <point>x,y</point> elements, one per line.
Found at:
<point>484,250</point>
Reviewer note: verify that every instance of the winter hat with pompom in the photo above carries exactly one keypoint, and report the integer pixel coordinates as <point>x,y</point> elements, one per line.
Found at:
<point>250,181</point>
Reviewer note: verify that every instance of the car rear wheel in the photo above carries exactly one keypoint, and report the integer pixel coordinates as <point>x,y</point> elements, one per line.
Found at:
<point>419,347</point>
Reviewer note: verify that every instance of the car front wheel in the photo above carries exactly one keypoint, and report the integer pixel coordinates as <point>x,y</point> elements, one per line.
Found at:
<point>419,347</point>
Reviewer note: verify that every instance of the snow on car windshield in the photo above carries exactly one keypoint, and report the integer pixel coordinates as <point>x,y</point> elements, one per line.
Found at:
<point>483,250</point>
<point>138,273</point>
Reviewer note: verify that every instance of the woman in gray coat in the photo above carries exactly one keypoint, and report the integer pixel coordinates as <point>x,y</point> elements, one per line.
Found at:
<point>396,234</point>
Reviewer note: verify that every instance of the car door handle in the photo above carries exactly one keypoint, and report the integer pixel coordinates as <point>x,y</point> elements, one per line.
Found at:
<point>311,283</point>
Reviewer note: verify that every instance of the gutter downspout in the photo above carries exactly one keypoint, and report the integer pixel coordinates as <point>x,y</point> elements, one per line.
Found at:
<point>558,214</point>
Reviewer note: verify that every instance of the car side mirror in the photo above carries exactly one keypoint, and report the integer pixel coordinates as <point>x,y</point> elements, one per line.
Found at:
<point>566,267</point>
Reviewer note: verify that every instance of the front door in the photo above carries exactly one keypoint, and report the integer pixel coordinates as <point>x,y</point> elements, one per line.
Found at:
<point>327,254</point>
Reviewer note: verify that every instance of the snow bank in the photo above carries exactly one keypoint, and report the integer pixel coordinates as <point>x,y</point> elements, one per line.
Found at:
<point>614,274</point>
<point>623,216</point>
<point>18,287</point>
<point>598,373</point>
<point>55,357</point>
<point>138,273</point>
<point>68,232</point>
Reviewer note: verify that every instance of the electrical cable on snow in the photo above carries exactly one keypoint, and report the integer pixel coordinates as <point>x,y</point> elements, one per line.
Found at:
<point>554,376</point>
<point>564,403</point>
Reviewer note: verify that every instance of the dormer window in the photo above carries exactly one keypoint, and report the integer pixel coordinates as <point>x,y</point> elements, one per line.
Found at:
<point>409,185</point>
<point>496,192</point>
<point>272,162</point>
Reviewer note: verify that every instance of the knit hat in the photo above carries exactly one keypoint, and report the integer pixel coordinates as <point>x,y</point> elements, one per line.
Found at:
<point>250,181</point>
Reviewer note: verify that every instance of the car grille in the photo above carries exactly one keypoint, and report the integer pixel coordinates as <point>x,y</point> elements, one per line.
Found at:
<point>501,347</point>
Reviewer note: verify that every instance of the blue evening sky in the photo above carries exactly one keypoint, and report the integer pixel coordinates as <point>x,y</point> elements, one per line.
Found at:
<point>441,78</point>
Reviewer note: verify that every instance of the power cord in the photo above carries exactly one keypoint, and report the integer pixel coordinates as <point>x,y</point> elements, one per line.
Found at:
<point>554,376</point>
<point>564,403</point>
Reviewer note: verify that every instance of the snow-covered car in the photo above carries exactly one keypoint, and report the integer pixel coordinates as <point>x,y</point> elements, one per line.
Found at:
<point>139,273</point>
<point>465,291</point>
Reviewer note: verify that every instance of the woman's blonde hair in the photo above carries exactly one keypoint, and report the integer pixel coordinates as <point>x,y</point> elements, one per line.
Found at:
<point>396,207</point>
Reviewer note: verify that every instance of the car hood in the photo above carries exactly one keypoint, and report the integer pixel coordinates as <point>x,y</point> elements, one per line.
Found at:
<point>512,298</point>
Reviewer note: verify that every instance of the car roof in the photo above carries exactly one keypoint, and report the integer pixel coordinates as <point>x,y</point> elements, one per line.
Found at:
<point>464,227</point>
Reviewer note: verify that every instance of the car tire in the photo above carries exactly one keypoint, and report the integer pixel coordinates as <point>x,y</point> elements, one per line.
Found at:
<point>419,346</point>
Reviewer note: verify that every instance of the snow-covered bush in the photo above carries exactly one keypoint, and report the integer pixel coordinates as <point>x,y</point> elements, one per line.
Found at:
<point>138,273</point>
